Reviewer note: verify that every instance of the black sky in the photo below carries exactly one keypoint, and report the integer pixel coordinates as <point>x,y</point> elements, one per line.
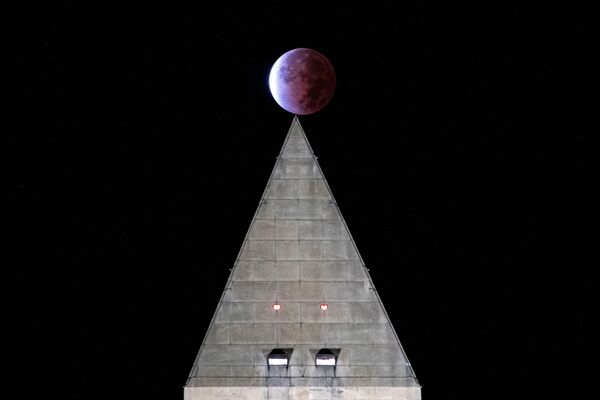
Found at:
<point>458,146</point>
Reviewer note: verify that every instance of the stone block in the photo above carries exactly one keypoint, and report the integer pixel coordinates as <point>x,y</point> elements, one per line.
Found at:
<point>278,388</point>
<point>282,189</point>
<point>288,250</point>
<point>357,382</point>
<point>312,333</point>
<point>387,383</point>
<point>278,371</point>
<point>214,382</point>
<point>335,271</point>
<point>312,189</point>
<point>287,271</point>
<point>356,271</point>
<point>383,334</point>
<point>361,291</point>
<point>299,291</point>
<point>296,147</point>
<point>212,371</point>
<point>223,312</point>
<point>344,356</point>
<point>298,250</point>
<point>250,383</point>
<point>348,291</point>
<point>354,371</point>
<point>339,250</point>
<point>348,333</point>
<point>297,209</point>
<point>310,271</point>
<point>258,250</point>
<point>376,355</point>
<point>310,250</point>
<point>295,370</point>
<point>262,229</point>
<point>337,313</point>
<point>289,334</point>
<point>289,312</point>
<point>323,271</point>
<point>311,312</point>
<point>218,334</point>
<point>249,371</point>
<point>310,230</point>
<point>264,312</point>
<point>330,210</point>
<point>243,271</point>
<point>252,291</point>
<point>221,354</point>
<point>248,333</point>
<point>296,358</point>
<point>396,371</point>
<point>240,312</point>
<point>264,333</point>
<point>266,210</point>
<point>260,353</point>
<point>296,168</point>
<point>336,291</point>
<point>383,393</point>
<point>366,312</point>
<point>264,271</point>
<point>335,229</point>
<point>241,333</point>
<point>286,230</point>
<point>299,393</point>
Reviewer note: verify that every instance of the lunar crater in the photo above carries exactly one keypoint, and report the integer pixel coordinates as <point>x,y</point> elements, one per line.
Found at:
<point>302,81</point>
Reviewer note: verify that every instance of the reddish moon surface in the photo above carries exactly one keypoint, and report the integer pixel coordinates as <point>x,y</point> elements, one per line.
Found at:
<point>302,81</point>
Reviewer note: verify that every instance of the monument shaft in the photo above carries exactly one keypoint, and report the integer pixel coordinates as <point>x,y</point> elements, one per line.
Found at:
<point>299,255</point>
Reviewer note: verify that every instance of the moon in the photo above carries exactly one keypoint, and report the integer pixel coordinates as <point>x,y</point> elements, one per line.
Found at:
<point>302,81</point>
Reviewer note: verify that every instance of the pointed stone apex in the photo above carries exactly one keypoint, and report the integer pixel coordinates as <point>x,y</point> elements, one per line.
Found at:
<point>296,128</point>
<point>296,145</point>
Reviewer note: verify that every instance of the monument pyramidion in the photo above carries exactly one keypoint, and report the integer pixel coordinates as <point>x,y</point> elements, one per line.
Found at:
<point>299,317</point>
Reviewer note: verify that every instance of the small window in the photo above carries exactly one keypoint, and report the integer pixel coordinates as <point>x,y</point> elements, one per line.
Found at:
<point>326,357</point>
<point>278,357</point>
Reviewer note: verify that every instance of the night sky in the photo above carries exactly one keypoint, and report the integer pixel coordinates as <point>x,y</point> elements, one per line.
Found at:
<point>458,146</point>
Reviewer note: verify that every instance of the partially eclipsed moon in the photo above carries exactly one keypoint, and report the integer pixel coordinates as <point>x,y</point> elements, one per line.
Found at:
<point>302,81</point>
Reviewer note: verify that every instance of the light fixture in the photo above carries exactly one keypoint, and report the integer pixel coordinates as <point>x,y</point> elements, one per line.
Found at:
<point>324,306</point>
<point>278,357</point>
<point>326,357</point>
<point>276,306</point>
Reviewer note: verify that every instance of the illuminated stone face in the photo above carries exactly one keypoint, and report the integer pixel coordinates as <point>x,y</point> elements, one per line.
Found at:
<point>299,285</point>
